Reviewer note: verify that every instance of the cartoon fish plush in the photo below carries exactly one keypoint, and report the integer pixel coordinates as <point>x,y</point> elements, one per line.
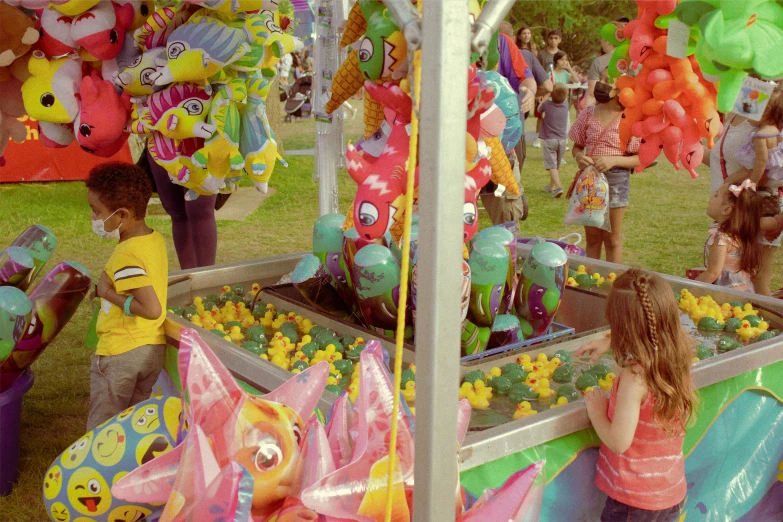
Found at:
<point>50,92</point>
<point>101,30</point>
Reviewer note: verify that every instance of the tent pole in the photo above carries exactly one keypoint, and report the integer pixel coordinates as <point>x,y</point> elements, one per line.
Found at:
<point>439,272</point>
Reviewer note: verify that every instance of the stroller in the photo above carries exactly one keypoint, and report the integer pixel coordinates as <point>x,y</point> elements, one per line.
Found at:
<point>297,100</point>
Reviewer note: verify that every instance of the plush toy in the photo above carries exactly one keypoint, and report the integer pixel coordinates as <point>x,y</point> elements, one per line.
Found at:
<point>142,9</point>
<point>55,29</point>
<point>78,483</point>
<point>199,49</point>
<point>158,27</point>
<point>103,114</point>
<point>177,112</point>
<point>11,109</point>
<point>101,30</point>
<point>17,34</point>
<point>50,93</point>
<point>33,4</point>
<point>257,141</point>
<point>137,77</point>
<point>55,135</point>
<point>169,154</point>
<point>73,8</point>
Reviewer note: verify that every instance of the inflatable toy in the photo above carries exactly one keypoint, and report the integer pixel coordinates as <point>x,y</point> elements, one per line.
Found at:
<point>53,301</point>
<point>15,265</point>
<point>40,243</point>
<point>315,283</point>
<point>489,262</point>
<point>376,281</point>
<point>102,116</point>
<point>541,285</point>
<point>257,141</point>
<point>79,481</point>
<point>136,78</point>
<point>14,309</point>
<point>179,112</point>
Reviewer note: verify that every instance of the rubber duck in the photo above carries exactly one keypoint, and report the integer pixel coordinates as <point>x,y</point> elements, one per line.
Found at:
<point>740,313</point>
<point>542,388</point>
<point>561,401</point>
<point>523,360</point>
<point>264,356</point>
<point>353,390</point>
<point>762,327</point>
<point>745,332</point>
<point>611,276</point>
<point>606,383</point>
<point>482,389</point>
<point>197,321</point>
<point>254,290</point>
<point>587,390</point>
<point>571,282</point>
<point>236,335</point>
<point>581,269</point>
<point>280,360</point>
<point>524,409</point>
<point>598,279</point>
<point>494,372</point>
<point>248,321</point>
<point>306,326</point>
<point>209,322</point>
<point>409,392</point>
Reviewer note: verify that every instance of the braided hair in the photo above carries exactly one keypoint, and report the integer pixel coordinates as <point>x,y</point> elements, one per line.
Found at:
<point>649,340</point>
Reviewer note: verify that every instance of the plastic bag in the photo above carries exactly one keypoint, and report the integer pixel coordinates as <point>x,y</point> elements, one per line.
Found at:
<point>588,200</point>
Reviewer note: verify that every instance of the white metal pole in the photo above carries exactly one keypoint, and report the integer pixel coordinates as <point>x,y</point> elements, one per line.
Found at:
<point>445,59</point>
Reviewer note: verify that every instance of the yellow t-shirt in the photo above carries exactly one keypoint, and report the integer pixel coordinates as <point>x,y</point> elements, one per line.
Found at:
<point>136,263</point>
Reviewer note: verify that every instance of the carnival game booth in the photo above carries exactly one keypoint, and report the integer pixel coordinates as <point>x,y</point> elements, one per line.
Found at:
<point>732,451</point>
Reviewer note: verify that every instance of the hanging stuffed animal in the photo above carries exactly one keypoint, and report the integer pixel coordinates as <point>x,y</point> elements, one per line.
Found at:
<point>74,8</point>
<point>257,141</point>
<point>101,30</point>
<point>142,9</point>
<point>11,109</point>
<point>17,34</point>
<point>103,115</point>
<point>50,92</point>
<point>55,29</point>
<point>177,112</point>
<point>137,77</point>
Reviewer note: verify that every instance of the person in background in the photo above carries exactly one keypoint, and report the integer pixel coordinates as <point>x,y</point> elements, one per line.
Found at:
<point>296,66</point>
<point>309,64</point>
<point>192,222</point>
<point>544,87</point>
<point>597,71</point>
<point>132,289</point>
<point>554,132</point>
<point>547,58</point>
<point>284,71</point>
<point>563,72</point>
<point>596,130</point>
<point>642,425</point>
<point>525,40</point>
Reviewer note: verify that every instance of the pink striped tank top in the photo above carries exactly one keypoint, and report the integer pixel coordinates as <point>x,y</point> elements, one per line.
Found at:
<point>651,473</point>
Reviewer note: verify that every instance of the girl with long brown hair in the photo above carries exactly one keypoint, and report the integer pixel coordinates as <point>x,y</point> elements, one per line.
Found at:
<point>525,40</point>
<point>733,253</point>
<point>642,424</point>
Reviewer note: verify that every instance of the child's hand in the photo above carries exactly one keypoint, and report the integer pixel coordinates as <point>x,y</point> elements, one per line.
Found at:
<point>584,161</point>
<point>595,349</point>
<point>104,285</point>
<point>604,163</point>
<point>596,403</point>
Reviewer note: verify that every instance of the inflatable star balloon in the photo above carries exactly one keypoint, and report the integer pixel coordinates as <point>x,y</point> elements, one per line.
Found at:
<point>262,435</point>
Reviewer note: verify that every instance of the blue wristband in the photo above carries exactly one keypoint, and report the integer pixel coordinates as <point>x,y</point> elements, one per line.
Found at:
<point>128,305</point>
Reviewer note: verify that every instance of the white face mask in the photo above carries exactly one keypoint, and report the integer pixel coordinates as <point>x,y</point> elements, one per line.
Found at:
<point>98,226</point>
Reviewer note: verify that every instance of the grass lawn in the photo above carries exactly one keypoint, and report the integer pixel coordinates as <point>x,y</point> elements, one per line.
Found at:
<point>665,230</point>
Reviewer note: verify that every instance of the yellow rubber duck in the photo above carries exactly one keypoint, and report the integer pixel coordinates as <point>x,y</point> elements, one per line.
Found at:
<point>740,313</point>
<point>745,332</point>
<point>306,326</point>
<point>611,276</point>
<point>571,282</point>
<point>225,289</point>
<point>561,401</point>
<point>606,384</point>
<point>599,280</point>
<point>264,356</point>
<point>409,392</point>
<point>236,335</point>
<point>197,321</point>
<point>353,390</point>
<point>524,409</point>
<point>209,322</point>
<point>248,321</point>
<point>762,327</point>
<point>254,290</point>
<point>281,360</point>
<point>523,360</point>
<point>542,388</point>
<point>581,269</point>
<point>494,372</point>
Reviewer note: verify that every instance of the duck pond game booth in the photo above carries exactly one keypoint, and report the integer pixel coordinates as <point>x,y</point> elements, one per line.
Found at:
<point>733,449</point>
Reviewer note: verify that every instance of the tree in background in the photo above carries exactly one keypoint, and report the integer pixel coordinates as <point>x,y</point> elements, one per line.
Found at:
<point>579,21</point>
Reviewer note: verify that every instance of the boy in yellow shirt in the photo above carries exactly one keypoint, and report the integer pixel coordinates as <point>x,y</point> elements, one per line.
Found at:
<point>133,290</point>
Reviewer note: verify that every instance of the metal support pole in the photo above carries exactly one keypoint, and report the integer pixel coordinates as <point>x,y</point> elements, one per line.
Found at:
<point>441,193</point>
<point>328,128</point>
<point>492,14</point>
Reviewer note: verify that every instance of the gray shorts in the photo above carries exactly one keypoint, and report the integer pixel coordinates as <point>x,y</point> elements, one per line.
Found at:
<point>120,381</point>
<point>553,153</point>
<point>619,186</point>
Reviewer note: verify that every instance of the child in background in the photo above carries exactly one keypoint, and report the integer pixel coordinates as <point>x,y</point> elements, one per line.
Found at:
<point>133,291</point>
<point>762,158</point>
<point>642,426</point>
<point>554,130</point>
<point>732,253</point>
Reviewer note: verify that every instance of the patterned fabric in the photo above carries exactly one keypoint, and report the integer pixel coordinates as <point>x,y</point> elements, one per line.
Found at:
<point>587,130</point>
<point>651,473</point>
<point>732,275</point>
<point>746,157</point>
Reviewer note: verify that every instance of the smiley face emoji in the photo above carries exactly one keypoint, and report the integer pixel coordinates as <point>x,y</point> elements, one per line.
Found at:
<point>147,419</point>
<point>76,454</point>
<point>88,492</point>
<point>129,514</point>
<point>60,512</point>
<point>53,481</point>
<point>109,445</point>
<point>151,446</point>
<point>124,414</point>
<point>172,413</point>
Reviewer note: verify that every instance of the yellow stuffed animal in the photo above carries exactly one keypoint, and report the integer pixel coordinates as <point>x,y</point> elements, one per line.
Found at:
<point>50,92</point>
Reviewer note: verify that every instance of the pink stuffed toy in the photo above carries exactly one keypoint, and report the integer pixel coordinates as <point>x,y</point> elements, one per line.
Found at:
<point>101,30</point>
<point>103,116</point>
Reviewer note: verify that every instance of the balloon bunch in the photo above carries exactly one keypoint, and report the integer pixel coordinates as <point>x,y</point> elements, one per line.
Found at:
<point>193,80</point>
<point>669,104</point>
<point>29,324</point>
<point>242,458</point>
<point>734,39</point>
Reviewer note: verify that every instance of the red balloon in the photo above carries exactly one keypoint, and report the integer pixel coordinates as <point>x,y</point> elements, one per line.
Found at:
<point>753,95</point>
